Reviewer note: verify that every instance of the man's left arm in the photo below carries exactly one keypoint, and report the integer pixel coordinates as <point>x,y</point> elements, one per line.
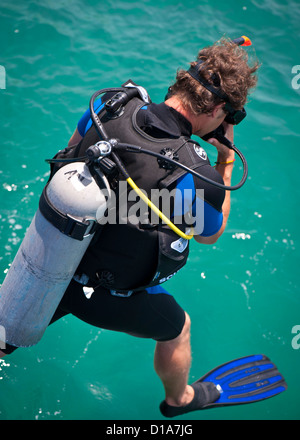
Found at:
<point>224,168</point>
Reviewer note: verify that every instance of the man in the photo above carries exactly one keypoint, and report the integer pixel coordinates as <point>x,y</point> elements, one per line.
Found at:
<point>121,264</point>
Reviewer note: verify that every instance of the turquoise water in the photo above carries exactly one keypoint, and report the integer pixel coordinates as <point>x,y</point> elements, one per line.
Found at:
<point>242,293</point>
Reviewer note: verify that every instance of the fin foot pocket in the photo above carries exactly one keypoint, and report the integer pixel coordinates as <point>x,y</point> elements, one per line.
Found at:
<point>205,393</point>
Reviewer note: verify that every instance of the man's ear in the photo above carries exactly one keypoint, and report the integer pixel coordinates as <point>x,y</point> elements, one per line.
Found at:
<point>216,110</point>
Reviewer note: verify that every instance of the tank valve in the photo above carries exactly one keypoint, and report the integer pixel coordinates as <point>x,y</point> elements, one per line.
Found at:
<point>99,150</point>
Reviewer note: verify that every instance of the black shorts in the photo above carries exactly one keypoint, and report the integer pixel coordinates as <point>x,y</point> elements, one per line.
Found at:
<point>152,313</point>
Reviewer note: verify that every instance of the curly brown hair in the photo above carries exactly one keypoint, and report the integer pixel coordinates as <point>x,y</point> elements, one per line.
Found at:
<point>225,65</point>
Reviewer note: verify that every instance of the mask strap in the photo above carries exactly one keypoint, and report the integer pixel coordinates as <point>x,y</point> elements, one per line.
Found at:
<point>194,72</point>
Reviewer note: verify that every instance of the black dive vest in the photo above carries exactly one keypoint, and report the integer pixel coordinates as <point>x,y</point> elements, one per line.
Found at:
<point>126,257</point>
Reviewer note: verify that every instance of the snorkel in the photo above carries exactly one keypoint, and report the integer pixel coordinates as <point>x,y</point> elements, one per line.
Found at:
<point>242,41</point>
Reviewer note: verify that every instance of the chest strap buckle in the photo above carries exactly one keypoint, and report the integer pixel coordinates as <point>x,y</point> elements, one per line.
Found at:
<point>123,294</point>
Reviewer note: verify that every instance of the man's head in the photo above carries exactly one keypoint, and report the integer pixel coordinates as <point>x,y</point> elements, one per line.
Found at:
<point>225,66</point>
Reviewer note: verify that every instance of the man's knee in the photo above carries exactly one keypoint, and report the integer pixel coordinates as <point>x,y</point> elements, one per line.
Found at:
<point>187,324</point>
<point>182,338</point>
<point>7,350</point>
<point>185,333</point>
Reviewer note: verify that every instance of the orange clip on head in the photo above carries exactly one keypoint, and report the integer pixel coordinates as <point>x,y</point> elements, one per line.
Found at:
<point>242,41</point>
<point>247,41</point>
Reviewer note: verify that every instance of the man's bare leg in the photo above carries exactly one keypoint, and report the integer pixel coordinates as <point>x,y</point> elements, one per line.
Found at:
<point>172,361</point>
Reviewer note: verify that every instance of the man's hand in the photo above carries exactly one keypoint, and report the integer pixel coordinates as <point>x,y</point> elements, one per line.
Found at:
<point>225,154</point>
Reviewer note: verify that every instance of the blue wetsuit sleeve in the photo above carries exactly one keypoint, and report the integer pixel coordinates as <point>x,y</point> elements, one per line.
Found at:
<point>85,121</point>
<point>82,123</point>
<point>205,220</point>
<point>210,220</point>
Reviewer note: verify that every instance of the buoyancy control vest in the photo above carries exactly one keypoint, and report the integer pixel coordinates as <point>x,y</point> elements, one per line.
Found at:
<point>129,255</point>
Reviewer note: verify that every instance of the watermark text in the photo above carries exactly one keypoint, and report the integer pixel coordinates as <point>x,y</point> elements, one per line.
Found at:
<point>182,207</point>
<point>2,77</point>
<point>2,338</point>
<point>296,339</point>
<point>296,78</point>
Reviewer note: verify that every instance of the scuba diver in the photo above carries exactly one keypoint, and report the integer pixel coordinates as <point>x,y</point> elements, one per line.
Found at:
<point>118,283</point>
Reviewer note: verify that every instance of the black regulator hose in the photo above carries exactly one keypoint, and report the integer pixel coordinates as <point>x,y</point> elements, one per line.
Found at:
<point>136,149</point>
<point>218,134</point>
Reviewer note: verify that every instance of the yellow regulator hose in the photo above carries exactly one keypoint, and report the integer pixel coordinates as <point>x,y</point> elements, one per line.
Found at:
<point>156,210</point>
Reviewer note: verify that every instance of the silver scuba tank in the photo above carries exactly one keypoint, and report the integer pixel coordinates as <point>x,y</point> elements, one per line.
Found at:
<point>50,253</point>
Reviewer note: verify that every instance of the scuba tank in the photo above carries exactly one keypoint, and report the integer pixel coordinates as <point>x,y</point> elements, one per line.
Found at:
<point>55,242</point>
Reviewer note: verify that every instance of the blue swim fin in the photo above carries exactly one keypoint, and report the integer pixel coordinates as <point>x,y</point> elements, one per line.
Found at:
<point>244,380</point>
